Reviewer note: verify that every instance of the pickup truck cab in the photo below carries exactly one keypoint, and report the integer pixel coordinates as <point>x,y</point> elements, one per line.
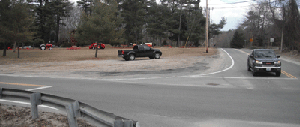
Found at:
<point>140,51</point>
<point>263,60</point>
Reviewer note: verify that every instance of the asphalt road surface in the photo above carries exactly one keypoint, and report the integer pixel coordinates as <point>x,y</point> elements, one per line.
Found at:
<point>225,95</point>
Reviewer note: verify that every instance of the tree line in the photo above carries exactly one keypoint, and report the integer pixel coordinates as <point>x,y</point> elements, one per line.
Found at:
<point>115,22</point>
<point>268,19</point>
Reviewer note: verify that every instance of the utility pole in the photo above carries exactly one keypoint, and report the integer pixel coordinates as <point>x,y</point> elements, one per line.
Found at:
<point>178,41</point>
<point>206,27</point>
<point>283,21</point>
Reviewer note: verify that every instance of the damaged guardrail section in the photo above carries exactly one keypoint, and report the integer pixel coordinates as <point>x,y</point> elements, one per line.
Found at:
<point>73,108</point>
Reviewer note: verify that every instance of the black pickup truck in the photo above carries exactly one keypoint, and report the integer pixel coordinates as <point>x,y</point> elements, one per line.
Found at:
<point>140,51</point>
<point>264,60</point>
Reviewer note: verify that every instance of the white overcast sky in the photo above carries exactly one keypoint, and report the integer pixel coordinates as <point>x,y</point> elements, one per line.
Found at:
<point>233,11</point>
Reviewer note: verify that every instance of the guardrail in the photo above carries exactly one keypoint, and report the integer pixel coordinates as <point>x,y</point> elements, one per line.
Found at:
<point>73,108</point>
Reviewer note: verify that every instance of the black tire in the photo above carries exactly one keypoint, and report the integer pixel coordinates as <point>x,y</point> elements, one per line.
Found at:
<point>151,57</point>
<point>278,73</point>
<point>254,73</point>
<point>157,56</point>
<point>131,57</point>
<point>126,59</point>
<point>248,67</point>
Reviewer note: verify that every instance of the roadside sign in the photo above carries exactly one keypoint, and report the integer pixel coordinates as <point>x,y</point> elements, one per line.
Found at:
<point>251,39</point>
<point>271,40</point>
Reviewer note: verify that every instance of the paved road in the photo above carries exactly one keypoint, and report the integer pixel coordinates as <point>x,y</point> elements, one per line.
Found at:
<point>226,95</point>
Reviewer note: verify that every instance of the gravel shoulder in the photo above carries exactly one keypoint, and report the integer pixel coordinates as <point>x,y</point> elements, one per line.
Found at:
<point>13,116</point>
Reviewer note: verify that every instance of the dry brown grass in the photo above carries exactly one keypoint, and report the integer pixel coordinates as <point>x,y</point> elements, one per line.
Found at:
<point>64,55</point>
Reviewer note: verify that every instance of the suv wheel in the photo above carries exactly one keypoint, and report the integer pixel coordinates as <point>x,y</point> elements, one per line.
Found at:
<point>278,74</point>
<point>254,73</point>
<point>248,67</point>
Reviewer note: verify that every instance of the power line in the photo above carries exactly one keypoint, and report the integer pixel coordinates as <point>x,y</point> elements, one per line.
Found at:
<point>229,7</point>
<point>232,3</point>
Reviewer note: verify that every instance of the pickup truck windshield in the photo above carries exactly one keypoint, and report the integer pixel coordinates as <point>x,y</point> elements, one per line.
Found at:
<point>265,54</point>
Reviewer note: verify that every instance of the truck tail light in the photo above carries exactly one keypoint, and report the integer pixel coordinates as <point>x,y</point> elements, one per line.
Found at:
<point>122,52</point>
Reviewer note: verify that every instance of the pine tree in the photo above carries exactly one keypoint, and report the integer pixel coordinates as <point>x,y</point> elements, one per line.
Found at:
<point>103,25</point>
<point>237,40</point>
<point>15,22</point>
<point>134,12</point>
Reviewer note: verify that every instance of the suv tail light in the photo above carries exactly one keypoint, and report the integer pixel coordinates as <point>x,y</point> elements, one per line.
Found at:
<point>122,51</point>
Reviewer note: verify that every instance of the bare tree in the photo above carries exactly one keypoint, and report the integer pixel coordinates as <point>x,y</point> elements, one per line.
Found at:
<point>71,24</point>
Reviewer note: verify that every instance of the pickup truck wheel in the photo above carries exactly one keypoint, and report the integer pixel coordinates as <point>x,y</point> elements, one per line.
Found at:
<point>278,74</point>
<point>157,56</point>
<point>131,57</point>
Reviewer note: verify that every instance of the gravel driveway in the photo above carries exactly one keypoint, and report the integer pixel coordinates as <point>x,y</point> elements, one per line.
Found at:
<point>112,67</point>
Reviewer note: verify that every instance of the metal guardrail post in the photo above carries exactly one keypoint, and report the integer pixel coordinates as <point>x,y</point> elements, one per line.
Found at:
<point>137,124</point>
<point>0,92</point>
<point>72,113</point>
<point>123,123</point>
<point>35,100</point>
<point>128,123</point>
<point>118,123</point>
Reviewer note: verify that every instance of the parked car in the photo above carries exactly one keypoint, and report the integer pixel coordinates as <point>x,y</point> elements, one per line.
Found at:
<point>94,45</point>
<point>263,60</point>
<point>140,51</point>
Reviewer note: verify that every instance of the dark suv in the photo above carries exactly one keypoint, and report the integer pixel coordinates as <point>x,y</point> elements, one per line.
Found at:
<point>263,60</point>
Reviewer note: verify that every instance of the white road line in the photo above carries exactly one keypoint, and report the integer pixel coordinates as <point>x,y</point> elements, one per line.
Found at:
<point>131,79</point>
<point>226,69</point>
<point>291,61</point>
<point>232,61</point>
<point>39,88</point>
<point>25,103</point>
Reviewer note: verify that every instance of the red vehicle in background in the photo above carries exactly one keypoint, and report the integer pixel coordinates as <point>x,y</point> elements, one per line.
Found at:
<point>94,45</point>
<point>49,46</point>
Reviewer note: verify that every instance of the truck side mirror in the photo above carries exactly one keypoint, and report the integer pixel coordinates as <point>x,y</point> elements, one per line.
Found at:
<point>251,56</point>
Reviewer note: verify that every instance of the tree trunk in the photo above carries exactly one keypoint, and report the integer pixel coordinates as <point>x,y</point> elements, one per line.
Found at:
<point>14,47</point>
<point>96,50</point>
<point>57,29</point>
<point>18,51</point>
<point>4,51</point>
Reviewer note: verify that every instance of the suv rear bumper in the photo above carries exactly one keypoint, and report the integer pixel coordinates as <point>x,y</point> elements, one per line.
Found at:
<point>267,69</point>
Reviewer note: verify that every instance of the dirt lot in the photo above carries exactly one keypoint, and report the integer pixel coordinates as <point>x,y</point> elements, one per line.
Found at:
<point>60,61</point>
<point>64,55</point>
